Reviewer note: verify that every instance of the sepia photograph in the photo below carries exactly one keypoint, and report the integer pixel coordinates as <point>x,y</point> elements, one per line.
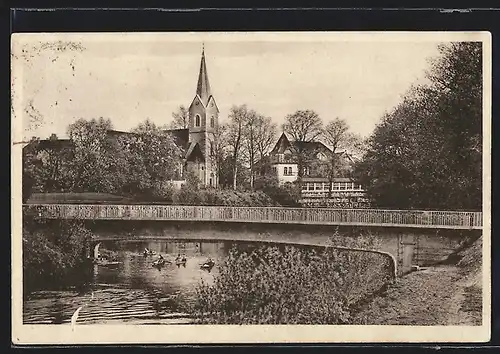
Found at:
<point>251,187</point>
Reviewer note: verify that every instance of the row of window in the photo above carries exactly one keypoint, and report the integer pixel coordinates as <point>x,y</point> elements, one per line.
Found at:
<point>287,171</point>
<point>336,186</point>
<point>197,121</point>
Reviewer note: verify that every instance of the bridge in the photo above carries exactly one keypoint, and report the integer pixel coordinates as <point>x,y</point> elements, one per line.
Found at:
<point>458,220</point>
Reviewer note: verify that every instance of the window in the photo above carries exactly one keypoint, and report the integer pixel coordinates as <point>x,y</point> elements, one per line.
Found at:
<point>211,149</point>
<point>197,122</point>
<point>310,186</point>
<point>318,186</point>
<point>342,186</point>
<point>212,121</point>
<point>336,186</point>
<point>285,171</point>
<point>290,171</point>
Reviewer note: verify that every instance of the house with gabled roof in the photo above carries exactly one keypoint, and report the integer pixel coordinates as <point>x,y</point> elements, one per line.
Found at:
<point>284,158</point>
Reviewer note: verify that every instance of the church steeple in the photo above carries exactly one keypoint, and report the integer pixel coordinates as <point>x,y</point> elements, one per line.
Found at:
<point>203,88</point>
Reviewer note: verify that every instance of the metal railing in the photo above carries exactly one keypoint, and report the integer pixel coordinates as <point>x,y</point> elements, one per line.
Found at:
<point>318,216</point>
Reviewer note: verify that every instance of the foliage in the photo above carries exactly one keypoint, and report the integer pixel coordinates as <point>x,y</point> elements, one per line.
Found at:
<point>153,159</point>
<point>95,159</point>
<point>55,255</point>
<point>269,285</point>
<point>95,166</point>
<point>287,194</point>
<point>427,152</point>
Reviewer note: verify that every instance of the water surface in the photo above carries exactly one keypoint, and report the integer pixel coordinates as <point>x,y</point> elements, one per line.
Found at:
<point>133,291</point>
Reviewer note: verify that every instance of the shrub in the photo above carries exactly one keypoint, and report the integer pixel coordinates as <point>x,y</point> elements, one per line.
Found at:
<point>368,272</point>
<point>55,256</point>
<point>270,285</point>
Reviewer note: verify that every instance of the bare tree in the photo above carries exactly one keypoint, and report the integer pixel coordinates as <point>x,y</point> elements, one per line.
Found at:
<point>259,134</point>
<point>337,137</point>
<point>304,127</point>
<point>237,118</point>
<point>265,136</point>
<point>180,118</point>
<point>220,147</point>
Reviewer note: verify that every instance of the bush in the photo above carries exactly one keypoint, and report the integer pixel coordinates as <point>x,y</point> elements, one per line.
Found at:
<point>369,271</point>
<point>55,256</point>
<point>270,285</point>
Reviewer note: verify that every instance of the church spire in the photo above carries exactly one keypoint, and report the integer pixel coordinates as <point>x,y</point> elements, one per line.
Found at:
<point>203,88</point>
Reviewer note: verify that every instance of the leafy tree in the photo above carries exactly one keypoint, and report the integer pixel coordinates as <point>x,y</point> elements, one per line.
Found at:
<point>426,153</point>
<point>92,156</point>
<point>154,160</point>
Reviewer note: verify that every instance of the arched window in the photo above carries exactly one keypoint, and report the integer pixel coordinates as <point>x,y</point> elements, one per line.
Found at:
<point>212,121</point>
<point>289,171</point>
<point>211,149</point>
<point>285,172</point>
<point>197,119</point>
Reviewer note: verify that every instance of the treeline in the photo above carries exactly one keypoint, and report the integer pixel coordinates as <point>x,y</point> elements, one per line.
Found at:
<point>138,165</point>
<point>427,152</point>
<point>94,160</point>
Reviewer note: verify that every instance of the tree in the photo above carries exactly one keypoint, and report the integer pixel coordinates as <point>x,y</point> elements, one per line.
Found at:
<point>180,118</point>
<point>304,127</point>
<point>265,136</point>
<point>337,137</point>
<point>426,153</point>
<point>260,134</point>
<point>153,157</point>
<point>238,116</point>
<point>220,150</point>
<point>93,156</point>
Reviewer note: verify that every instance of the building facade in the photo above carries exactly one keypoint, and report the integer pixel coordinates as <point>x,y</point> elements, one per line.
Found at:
<point>316,188</point>
<point>199,139</point>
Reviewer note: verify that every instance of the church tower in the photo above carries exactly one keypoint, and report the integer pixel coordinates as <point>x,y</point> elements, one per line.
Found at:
<point>203,122</point>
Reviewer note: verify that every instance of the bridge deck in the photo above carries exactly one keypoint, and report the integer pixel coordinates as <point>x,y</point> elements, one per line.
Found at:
<point>311,216</point>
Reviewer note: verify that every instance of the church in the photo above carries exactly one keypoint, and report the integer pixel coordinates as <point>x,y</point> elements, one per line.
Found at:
<point>198,140</point>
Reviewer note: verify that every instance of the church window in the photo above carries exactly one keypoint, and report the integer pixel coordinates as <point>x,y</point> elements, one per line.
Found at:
<point>197,119</point>
<point>211,149</point>
<point>212,121</point>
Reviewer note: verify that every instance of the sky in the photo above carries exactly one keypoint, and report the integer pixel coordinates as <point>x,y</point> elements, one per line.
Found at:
<point>129,78</point>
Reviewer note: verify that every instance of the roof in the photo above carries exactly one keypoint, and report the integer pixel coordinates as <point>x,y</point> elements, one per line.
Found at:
<point>119,132</point>
<point>283,143</point>
<point>181,137</point>
<point>324,179</point>
<point>194,152</point>
<point>51,144</point>
<point>203,88</point>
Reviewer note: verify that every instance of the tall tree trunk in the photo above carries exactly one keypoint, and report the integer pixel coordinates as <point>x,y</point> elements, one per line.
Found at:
<point>235,172</point>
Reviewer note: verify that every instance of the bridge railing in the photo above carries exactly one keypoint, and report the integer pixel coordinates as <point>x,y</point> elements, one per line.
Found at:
<point>375,217</point>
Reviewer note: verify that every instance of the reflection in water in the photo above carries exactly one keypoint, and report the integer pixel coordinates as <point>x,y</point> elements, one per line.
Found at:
<point>133,291</point>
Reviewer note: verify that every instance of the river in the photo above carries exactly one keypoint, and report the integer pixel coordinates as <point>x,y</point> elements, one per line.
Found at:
<point>133,291</point>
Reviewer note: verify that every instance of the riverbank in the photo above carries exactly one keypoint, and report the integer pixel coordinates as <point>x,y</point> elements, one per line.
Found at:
<point>448,294</point>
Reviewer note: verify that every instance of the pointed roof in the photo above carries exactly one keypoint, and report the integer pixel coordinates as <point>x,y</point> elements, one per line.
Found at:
<point>194,152</point>
<point>203,87</point>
